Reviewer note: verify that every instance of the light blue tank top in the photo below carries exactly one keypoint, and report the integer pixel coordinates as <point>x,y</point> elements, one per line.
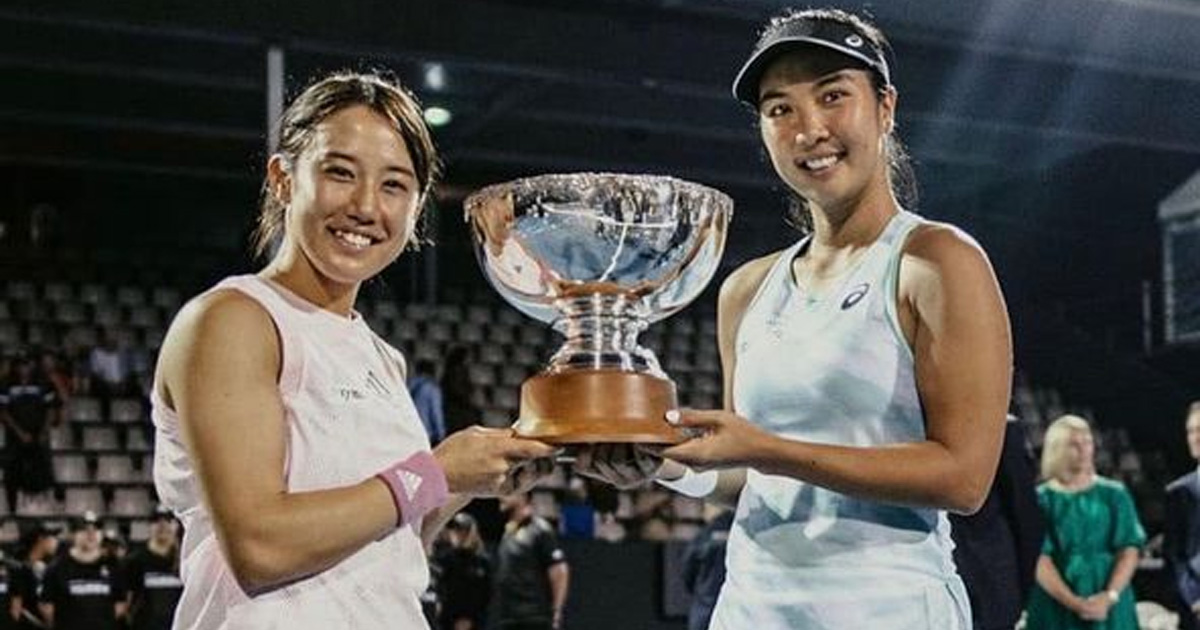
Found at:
<point>833,367</point>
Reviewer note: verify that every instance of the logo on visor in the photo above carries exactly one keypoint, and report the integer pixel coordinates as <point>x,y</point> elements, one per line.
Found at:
<point>854,40</point>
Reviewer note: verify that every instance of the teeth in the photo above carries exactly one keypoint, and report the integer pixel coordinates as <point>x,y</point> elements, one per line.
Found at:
<point>817,164</point>
<point>357,240</point>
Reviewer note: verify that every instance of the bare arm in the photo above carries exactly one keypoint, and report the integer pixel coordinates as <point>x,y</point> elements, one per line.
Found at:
<point>121,609</point>
<point>1095,606</point>
<point>560,578</point>
<point>958,326</point>
<point>219,369</point>
<point>1051,581</point>
<point>736,294</point>
<point>47,613</point>
<point>1123,569</point>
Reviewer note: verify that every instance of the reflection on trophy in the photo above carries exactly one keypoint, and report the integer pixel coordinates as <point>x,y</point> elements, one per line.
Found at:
<point>600,257</point>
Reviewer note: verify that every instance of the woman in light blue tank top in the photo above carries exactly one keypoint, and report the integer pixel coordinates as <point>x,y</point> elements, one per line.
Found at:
<point>867,367</point>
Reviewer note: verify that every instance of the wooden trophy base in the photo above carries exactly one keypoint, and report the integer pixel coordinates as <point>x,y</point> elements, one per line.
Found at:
<point>596,407</point>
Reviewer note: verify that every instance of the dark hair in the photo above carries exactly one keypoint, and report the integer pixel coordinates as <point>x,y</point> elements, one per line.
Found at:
<point>326,97</point>
<point>901,175</point>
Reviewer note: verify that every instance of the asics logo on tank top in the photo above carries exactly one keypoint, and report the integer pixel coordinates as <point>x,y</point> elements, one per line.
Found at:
<point>855,296</point>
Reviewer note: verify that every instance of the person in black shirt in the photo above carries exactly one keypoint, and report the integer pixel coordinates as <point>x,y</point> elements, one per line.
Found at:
<point>465,582</point>
<point>531,572</point>
<point>147,585</point>
<point>37,546</point>
<point>77,591</point>
<point>29,406</point>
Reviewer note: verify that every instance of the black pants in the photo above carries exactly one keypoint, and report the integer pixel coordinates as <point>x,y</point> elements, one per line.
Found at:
<point>28,468</point>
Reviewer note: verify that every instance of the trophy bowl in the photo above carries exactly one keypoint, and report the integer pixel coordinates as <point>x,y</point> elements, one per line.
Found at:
<point>599,257</point>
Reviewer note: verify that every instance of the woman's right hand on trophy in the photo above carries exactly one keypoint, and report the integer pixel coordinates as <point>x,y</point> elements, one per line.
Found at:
<point>622,465</point>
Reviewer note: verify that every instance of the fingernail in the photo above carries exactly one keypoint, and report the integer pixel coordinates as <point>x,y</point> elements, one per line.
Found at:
<point>673,416</point>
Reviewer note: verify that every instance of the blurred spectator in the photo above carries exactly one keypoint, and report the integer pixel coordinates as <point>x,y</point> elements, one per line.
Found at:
<point>996,549</point>
<point>77,590</point>
<point>29,406</point>
<point>54,370</point>
<point>578,515</point>
<point>80,371</point>
<point>704,565</point>
<point>431,600</point>
<point>457,390</point>
<point>113,546</point>
<point>653,514</point>
<point>465,577</point>
<point>147,585</point>
<point>460,413</point>
<point>37,547</point>
<point>9,610</point>
<point>427,397</point>
<point>1181,537</point>
<point>609,529</point>
<point>606,500</point>
<point>44,230</point>
<point>1092,539</point>
<point>111,368</point>
<point>6,362</point>
<point>531,571</point>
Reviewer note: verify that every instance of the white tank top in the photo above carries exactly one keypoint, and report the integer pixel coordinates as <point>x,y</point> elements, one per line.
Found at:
<point>348,416</point>
<point>834,368</point>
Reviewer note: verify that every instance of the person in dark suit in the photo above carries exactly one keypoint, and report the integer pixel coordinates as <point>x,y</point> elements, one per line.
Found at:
<point>996,549</point>
<point>1181,539</point>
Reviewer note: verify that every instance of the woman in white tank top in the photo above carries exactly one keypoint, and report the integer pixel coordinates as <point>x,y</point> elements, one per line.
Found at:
<point>287,444</point>
<point>866,367</point>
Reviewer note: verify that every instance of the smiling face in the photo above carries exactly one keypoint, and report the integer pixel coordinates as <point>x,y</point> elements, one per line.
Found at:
<point>353,198</point>
<point>825,127</point>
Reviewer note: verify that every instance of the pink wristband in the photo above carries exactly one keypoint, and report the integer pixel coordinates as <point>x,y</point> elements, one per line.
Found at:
<point>418,486</point>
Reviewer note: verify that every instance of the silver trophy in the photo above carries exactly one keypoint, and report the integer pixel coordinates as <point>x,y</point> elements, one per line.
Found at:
<point>599,257</point>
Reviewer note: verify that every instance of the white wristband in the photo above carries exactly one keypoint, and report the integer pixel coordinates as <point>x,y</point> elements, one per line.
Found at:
<point>693,484</point>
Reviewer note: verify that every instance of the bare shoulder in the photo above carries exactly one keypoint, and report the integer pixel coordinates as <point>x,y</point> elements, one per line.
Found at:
<point>218,315</point>
<point>740,287</point>
<point>212,329</point>
<point>942,244</point>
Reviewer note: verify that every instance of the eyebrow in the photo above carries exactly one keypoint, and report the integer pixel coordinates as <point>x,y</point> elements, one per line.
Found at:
<point>351,158</point>
<point>840,75</point>
<point>833,77</point>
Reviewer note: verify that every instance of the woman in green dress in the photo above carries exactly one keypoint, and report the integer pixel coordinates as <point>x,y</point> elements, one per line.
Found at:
<point>1092,539</point>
